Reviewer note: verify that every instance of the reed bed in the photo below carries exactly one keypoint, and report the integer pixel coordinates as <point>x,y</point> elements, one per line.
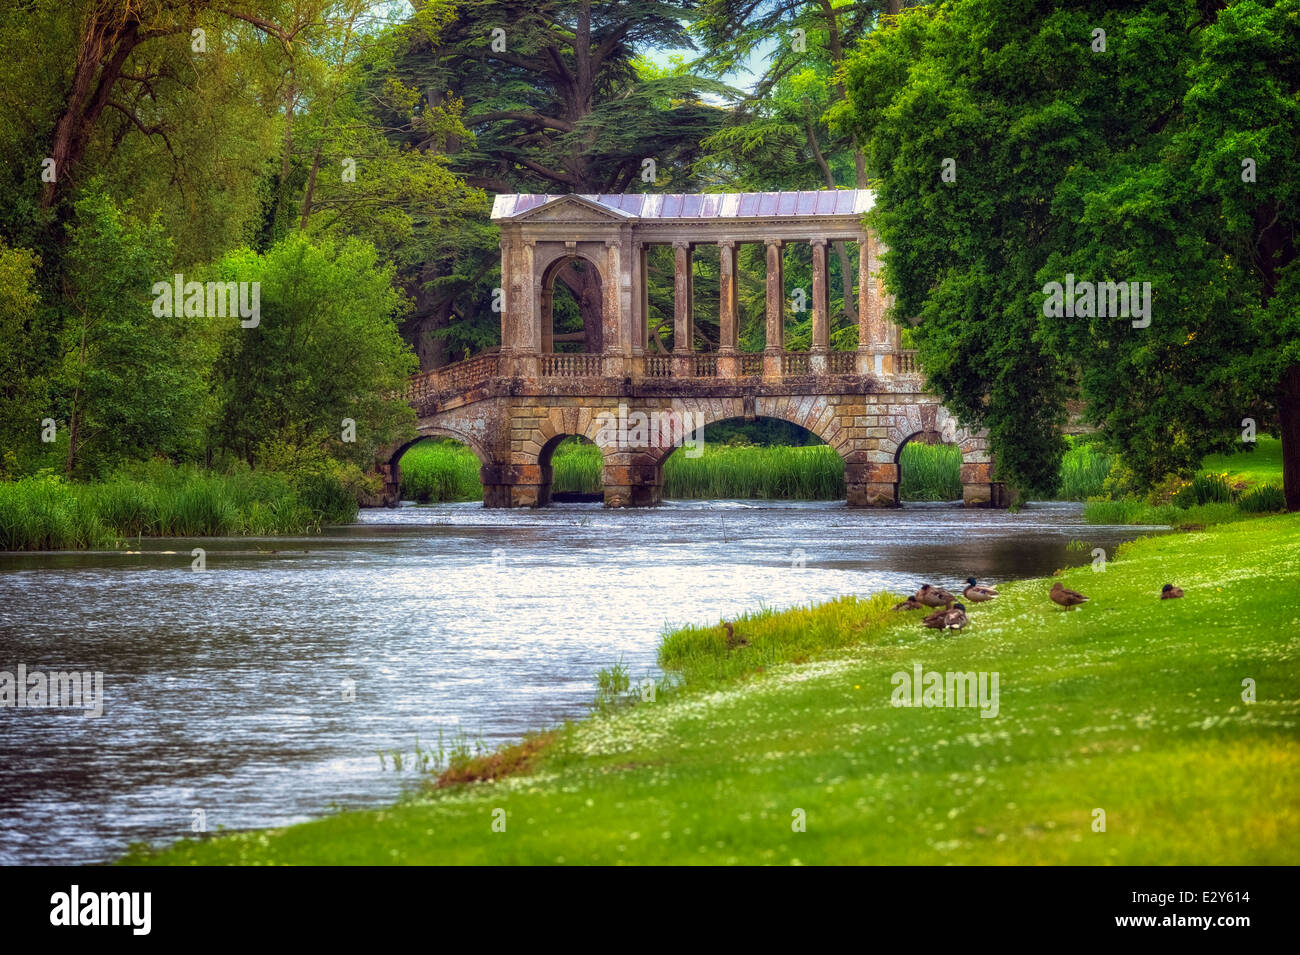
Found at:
<point>775,472</point>
<point>48,513</point>
<point>436,471</point>
<point>929,472</point>
<point>1084,470</point>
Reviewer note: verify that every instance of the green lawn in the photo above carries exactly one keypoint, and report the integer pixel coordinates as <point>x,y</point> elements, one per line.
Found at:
<point>1262,465</point>
<point>1127,704</point>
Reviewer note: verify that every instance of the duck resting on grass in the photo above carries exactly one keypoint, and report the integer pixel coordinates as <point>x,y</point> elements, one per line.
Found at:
<point>977,594</point>
<point>953,618</point>
<point>911,603</point>
<point>1066,597</point>
<point>935,596</point>
<point>1170,592</point>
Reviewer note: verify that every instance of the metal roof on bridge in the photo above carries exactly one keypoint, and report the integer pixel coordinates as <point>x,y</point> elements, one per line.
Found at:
<point>705,205</point>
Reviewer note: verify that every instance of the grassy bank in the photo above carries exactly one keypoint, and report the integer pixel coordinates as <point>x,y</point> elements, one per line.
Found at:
<point>48,513</point>
<point>445,471</point>
<point>1227,488</point>
<point>1129,704</point>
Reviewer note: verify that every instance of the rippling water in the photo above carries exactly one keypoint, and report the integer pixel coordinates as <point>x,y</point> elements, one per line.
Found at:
<point>225,689</point>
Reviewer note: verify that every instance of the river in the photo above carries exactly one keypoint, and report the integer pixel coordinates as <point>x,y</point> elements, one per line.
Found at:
<point>260,690</point>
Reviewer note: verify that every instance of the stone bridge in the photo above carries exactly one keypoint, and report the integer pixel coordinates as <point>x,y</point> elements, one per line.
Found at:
<point>513,407</point>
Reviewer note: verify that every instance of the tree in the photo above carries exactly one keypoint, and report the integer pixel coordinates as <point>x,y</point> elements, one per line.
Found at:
<point>555,101</point>
<point>326,349</point>
<point>132,381</point>
<point>1114,164</point>
<point>21,347</point>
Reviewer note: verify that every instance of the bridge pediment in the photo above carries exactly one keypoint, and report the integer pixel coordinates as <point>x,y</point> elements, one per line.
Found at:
<point>570,210</point>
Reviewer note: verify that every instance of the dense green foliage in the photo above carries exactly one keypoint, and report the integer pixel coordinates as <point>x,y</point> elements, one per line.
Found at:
<point>165,145</point>
<point>1169,157</point>
<point>340,154</point>
<point>1111,705</point>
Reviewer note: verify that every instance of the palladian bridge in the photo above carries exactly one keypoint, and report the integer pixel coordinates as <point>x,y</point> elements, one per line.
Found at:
<point>514,406</point>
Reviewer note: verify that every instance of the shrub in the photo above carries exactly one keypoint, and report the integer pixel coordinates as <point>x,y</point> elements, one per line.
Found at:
<point>1263,499</point>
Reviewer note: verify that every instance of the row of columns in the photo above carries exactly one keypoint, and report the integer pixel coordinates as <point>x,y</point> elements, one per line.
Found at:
<point>527,334</point>
<point>877,339</point>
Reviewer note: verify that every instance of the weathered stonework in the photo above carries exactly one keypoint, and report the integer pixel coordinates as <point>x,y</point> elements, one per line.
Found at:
<point>513,426</point>
<point>513,407</point>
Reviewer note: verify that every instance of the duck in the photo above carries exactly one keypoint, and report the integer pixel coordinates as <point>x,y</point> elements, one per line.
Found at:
<point>953,618</point>
<point>936,620</point>
<point>935,596</point>
<point>733,641</point>
<point>977,594</point>
<point>1066,597</point>
<point>1170,592</point>
<point>911,603</point>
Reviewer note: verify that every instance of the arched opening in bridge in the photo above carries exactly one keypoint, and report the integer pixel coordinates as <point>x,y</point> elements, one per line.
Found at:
<point>435,470</point>
<point>571,467</point>
<point>929,468</point>
<point>572,308</point>
<point>761,458</point>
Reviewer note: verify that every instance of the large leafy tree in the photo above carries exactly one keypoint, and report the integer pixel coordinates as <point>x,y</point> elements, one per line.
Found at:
<point>22,346</point>
<point>133,382</point>
<point>325,349</point>
<point>555,100</point>
<point>1115,164</point>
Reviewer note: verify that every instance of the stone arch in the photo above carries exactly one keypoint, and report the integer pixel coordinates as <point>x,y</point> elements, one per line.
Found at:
<point>638,476</point>
<point>550,262</point>
<point>440,431</point>
<point>911,420</point>
<point>389,461</point>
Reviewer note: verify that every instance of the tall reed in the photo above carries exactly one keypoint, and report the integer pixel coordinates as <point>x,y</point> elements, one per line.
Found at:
<point>48,513</point>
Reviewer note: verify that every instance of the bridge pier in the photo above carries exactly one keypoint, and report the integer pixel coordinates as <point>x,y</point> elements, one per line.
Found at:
<point>515,485</point>
<point>871,484</point>
<point>978,489</point>
<point>632,479</point>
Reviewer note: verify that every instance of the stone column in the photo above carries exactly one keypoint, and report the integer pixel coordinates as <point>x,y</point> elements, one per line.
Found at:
<point>612,315</point>
<point>683,332</point>
<point>508,292</point>
<point>641,338</point>
<point>868,303</point>
<point>548,319</point>
<point>728,359</point>
<point>775,346</point>
<point>525,288</point>
<point>817,360</point>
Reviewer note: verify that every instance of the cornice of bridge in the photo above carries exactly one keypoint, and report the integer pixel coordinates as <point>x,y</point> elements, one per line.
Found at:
<point>738,208</point>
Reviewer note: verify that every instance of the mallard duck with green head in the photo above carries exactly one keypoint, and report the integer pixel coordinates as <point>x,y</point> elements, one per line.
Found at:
<point>977,594</point>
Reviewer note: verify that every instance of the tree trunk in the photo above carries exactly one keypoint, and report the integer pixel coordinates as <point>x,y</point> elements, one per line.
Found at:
<point>1288,408</point>
<point>93,78</point>
<point>586,288</point>
<point>431,313</point>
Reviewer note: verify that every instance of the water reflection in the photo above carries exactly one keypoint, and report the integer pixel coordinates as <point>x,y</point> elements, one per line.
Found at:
<point>226,690</point>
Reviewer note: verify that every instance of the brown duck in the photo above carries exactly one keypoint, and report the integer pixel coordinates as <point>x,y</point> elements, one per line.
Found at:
<point>733,641</point>
<point>1066,597</point>
<point>911,603</point>
<point>935,596</point>
<point>1170,592</point>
